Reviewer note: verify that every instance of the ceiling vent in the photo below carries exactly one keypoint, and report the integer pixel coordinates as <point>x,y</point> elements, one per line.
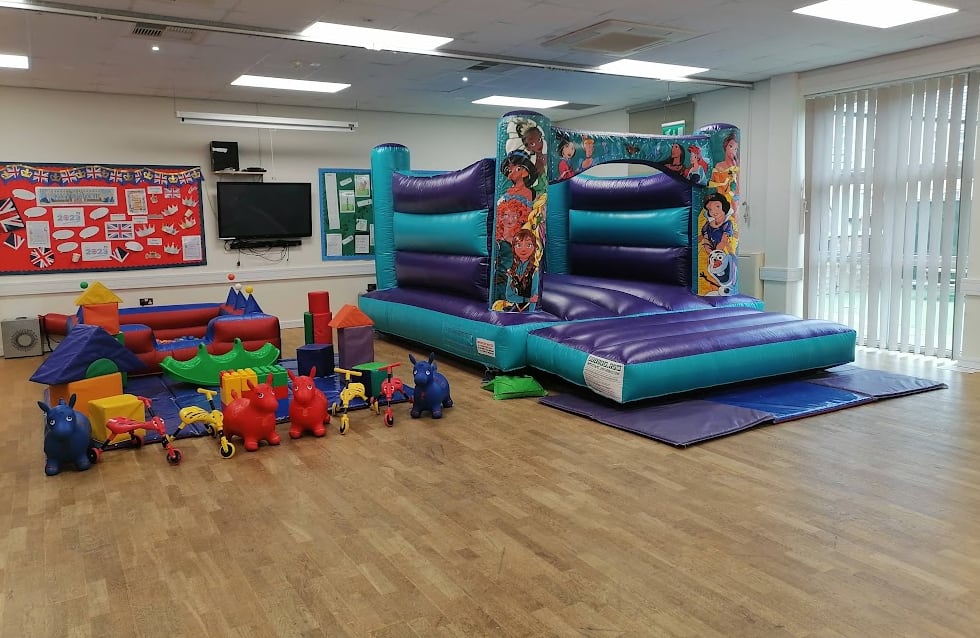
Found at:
<point>492,67</point>
<point>154,32</point>
<point>618,37</point>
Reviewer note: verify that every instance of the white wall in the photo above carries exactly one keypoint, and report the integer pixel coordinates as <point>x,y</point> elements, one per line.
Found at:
<point>55,126</point>
<point>771,118</point>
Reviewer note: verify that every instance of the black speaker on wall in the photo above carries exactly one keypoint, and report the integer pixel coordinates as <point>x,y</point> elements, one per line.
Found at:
<point>224,156</point>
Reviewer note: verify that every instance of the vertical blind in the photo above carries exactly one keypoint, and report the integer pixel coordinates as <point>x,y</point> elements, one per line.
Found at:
<point>889,190</point>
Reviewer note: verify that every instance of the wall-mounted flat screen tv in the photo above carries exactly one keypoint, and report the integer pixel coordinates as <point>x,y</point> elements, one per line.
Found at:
<point>265,210</point>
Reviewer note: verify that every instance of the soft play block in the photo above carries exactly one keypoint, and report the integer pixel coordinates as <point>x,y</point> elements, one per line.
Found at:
<point>319,355</point>
<point>318,301</point>
<point>236,380</point>
<point>280,379</point>
<point>322,332</point>
<point>105,315</point>
<point>122,405</point>
<point>308,327</point>
<point>356,345</point>
<point>85,390</point>
<point>373,376</point>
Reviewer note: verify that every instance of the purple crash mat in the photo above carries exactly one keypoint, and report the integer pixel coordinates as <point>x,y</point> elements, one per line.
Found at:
<point>734,408</point>
<point>679,424</point>
<point>874,383</point>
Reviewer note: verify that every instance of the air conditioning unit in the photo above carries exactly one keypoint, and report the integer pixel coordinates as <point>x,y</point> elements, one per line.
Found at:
<point>21,337</point>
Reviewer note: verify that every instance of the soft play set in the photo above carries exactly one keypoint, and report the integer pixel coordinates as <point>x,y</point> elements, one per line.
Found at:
<point>632,291</point>
<point>153,333</point>
<point>90,371</point>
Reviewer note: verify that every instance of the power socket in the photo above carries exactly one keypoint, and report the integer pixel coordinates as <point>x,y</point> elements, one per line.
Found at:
<point>146,301</point>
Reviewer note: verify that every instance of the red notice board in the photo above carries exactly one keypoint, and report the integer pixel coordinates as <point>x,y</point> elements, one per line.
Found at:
<point>84,217</point>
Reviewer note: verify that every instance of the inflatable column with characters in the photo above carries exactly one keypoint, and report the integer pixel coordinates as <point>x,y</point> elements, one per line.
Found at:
<point>533,223</point>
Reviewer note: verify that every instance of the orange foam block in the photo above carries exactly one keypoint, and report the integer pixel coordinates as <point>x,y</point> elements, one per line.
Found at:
<point>104,315</point>
<point>86,390</point>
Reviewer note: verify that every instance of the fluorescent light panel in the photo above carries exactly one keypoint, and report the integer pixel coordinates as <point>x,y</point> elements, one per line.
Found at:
<point>654,70</point>
<point>875,13</point>
<point>263,121</point>
<point>266,82</point>
<point>377,39</point>
<point>11,61</point>
<point>521,102</point>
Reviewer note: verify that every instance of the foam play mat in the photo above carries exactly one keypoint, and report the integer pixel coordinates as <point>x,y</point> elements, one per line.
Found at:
<point>710,414</point>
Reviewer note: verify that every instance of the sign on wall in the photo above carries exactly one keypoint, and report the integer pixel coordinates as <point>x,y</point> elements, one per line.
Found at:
<point>347,213</point>
<point>84,217</point>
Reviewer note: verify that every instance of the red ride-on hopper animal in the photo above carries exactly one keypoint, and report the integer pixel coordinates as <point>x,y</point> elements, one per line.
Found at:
<point>389,387</point>
<point>252,416</point>
<point>309,410</point>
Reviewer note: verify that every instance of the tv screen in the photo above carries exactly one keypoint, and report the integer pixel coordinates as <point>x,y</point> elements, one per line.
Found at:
<point>264,210</point>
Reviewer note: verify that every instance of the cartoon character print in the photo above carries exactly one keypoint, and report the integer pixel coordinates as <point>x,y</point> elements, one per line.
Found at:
<point>698,169</point>
<point>718,242</point>
<point>525,135</point>
<point>566,150</point>
<point>721,273</point>
<point>724,174</point>
<point>524,265</point>
<point>675,162</point>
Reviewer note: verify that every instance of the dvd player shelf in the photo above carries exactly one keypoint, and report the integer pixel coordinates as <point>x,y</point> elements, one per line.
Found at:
<point>248,244</point>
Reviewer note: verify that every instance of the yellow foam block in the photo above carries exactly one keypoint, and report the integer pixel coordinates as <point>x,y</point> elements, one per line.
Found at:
<point>122,405</point>
<point>85,390</point>
<point>236,380</point>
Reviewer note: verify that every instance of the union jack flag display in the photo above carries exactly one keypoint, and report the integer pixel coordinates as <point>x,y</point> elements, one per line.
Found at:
<point>58,218</point>
<point>9,217</point>
<point>42,257</point>
<point>119,230</point>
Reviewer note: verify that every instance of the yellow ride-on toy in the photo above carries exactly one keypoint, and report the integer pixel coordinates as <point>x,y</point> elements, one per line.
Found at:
<point>214,423</point>
<point>348,392</point>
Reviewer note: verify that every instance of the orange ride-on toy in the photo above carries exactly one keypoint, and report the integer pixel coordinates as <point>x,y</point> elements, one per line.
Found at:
<point>348,392</point>
<point>389,387</point>
<point>122,425</point>
<point>214,423</point>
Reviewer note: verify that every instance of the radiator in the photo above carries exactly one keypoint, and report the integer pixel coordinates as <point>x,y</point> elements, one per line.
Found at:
<point>749,282</point>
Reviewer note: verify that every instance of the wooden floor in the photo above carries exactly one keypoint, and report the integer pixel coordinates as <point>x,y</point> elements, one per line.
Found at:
<point>507,518</point>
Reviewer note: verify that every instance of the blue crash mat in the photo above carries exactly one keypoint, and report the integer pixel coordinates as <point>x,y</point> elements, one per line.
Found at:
<point>789,400</point>
<point>690,419</point>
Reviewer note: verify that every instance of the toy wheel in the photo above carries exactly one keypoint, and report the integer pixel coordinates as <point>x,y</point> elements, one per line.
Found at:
<point>376,405</point>
<point>137,441</point>
<point>94,455</point>
<point>209,429</point>
<point>389,420</point>
<point>344,424</point>
<point>227,450</point>
<point>333,408</point>
<point>174,456</point>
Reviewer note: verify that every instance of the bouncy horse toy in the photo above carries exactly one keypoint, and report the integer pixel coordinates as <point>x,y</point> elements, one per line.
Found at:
<point>389,387</point>
<point>309,410</point>
<point>67,437</point>
<point>431,388</point>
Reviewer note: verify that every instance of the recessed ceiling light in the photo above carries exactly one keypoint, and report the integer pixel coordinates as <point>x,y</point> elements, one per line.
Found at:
<point>154,48</point>
<point>525,102</point>
<point>465,79</point>
<point>293,85</point>
<point>874,13</point>
<point>377,39</point>
<point>14,61</point>
<point>654,70</point>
